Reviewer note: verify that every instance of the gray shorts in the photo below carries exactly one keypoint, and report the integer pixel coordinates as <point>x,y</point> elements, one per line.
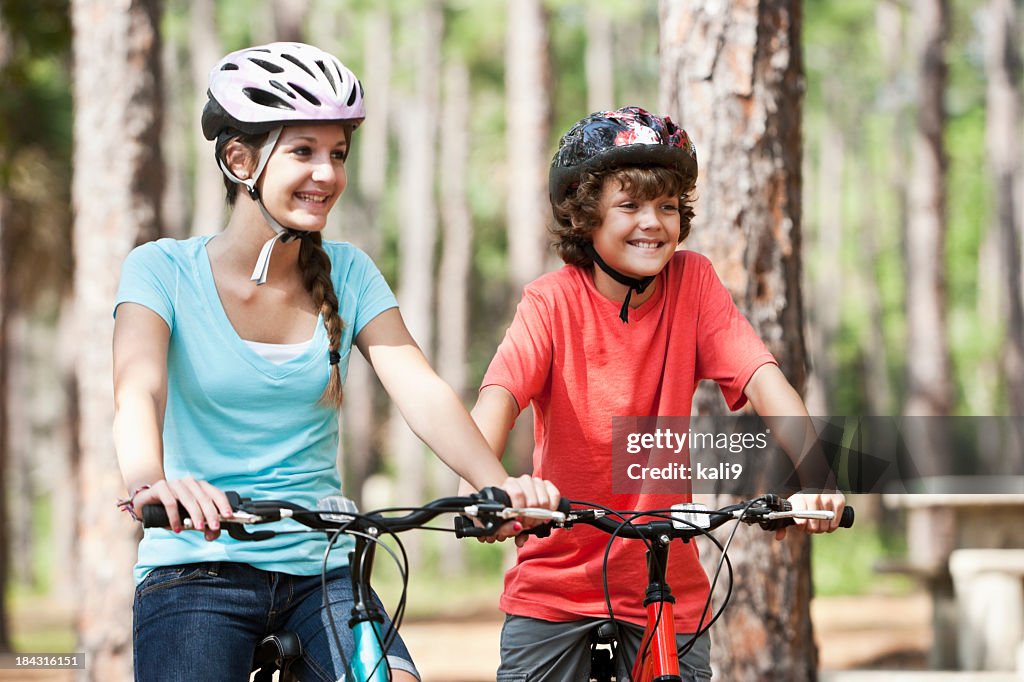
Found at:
<point>535,650</point>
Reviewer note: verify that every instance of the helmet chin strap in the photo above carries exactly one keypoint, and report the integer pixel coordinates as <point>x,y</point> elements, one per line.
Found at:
<point>281,233</point>
<point>639,285</point>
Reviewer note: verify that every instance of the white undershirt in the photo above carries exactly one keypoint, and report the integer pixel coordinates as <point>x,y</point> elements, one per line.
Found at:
<point>278,353</point>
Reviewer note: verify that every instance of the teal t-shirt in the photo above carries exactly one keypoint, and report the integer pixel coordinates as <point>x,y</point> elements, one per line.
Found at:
<point>237,420</point>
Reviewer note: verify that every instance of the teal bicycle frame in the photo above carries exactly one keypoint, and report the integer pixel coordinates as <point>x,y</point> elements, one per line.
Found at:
<point>369,663</point>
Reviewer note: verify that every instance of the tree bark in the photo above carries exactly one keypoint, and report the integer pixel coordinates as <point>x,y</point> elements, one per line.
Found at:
<point>599,59</point>
<point>528,211</point>
<point>528,125</point>
<point>418,232</point>
<point>827,285</point>
<point>929,383</point>
<point>5,536</point>
<point>1003,130</point>
<point>178,119</point>
<point>453,277</point>
<point>289,17</point>
<point>208,203</point>
<point>371,149</point>
<point>5,311</point>
<point>732,75</point>
<point>116,193</point>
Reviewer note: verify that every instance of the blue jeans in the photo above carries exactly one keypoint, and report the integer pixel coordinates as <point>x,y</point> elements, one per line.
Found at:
<point>202,622</point>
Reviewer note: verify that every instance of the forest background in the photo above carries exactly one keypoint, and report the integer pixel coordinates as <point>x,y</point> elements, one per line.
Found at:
<point>465,102</point>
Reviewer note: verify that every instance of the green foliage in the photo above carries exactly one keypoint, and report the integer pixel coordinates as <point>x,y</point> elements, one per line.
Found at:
<point>35,100</point>
<point>846,562</point>
<point>35,149</point>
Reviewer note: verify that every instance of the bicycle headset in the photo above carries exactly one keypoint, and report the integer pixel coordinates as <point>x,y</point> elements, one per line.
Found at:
<point>629,136</point>
<point>260,90</point>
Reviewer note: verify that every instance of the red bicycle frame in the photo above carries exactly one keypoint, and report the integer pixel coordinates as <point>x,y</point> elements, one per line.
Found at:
<point>657,660</point>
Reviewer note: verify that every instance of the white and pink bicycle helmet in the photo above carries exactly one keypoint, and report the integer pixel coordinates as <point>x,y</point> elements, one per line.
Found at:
<point>261,88</point>
<point>264,88</point>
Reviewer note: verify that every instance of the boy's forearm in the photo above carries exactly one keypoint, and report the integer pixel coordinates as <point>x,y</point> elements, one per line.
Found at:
<point>783,411</point>
<point>494,413</point>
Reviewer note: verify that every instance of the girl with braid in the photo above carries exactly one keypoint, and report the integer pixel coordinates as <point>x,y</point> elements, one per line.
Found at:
<point>229,377</point>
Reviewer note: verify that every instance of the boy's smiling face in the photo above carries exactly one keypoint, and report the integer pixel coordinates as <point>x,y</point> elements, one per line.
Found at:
<point>637,236</point>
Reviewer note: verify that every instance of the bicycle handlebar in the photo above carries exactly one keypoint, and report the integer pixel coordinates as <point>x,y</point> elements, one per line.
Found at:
<point>491,506</point>
<point>771,512</point>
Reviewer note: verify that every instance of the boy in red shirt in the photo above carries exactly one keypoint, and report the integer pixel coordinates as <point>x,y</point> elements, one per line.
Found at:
<point>627,327</point>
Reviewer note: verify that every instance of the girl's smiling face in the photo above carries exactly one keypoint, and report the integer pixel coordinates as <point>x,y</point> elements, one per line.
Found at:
<point>305,175</point>
<point>636,237</point>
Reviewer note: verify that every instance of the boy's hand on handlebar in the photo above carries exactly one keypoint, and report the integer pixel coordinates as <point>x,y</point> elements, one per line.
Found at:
<point>827,501</point>
<point>206,505</point>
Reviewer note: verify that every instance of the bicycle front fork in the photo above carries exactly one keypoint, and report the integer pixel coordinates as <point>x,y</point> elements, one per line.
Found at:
<point>658,657</point>
<point>369,664</point>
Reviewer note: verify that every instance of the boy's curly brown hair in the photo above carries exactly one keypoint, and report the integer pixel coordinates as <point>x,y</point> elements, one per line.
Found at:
<point>579,214</point>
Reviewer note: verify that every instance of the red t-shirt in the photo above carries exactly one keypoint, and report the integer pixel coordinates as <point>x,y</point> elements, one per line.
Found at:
<point>569,355</point>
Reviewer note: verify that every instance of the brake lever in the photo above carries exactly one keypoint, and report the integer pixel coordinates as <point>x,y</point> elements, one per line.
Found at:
<point>242,516</point>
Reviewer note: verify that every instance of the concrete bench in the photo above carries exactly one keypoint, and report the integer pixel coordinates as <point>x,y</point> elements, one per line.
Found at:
<point>989,589</point>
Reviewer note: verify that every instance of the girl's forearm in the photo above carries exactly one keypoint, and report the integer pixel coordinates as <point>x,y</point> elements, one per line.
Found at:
<point>440,420</point>
<point>138,443</point>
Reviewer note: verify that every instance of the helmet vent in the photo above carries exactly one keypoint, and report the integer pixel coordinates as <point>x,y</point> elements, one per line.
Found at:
<point>267,99</point>
<point>229,67</point>
<point>327,72</point>
<point>297,62</point>
<point>352,95</point>
<point>308,96</point>
<point>268,66</point>
<point>282,88</point>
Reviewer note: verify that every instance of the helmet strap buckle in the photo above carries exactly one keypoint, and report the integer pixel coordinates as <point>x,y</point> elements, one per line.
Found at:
<point>639,285</point>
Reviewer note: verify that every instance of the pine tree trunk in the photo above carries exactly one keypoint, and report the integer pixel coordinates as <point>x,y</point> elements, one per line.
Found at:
<point>528,121</point>
<point>5,311</point>
<point>371,150</point>
<point>1003,68</point>
<point>207,187</point>
<point>289,17</point>
<point>418,232</point>
<point>893,28</point>
<point>599,60</point>
<point>116,194</point>
<point>732,75</point>
<point>453,277</point>
<point>178,120</point>
<point>929,383</point>
<point>528,211</point>
<point>827,286</point>
<point>5,307</point>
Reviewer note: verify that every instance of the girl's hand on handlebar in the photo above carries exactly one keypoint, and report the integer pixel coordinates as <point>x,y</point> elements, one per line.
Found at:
<point>206,504</point>
<point>834,502</point>
<point>527,491</point>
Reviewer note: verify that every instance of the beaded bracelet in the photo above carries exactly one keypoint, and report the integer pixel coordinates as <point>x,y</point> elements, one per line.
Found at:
<point>128,504</point>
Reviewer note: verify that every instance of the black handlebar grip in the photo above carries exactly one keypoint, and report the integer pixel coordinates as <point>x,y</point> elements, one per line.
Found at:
<point>495,494</point>
<point>846,521</point>
<point>155,515</point>
<point>464,528</point>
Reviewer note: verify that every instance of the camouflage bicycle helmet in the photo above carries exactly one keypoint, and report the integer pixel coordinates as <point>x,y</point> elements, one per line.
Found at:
<point>629,136</point>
